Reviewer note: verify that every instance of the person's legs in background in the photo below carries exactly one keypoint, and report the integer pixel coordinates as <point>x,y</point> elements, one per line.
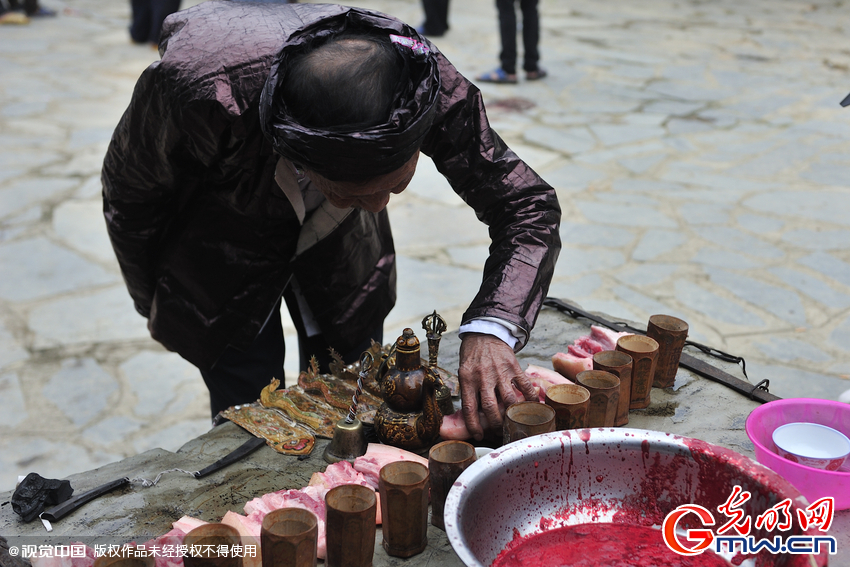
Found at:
<point>531,40</point>
<point>160,9</point>
<point>507,33</point>
<point>140,26</point>
<point>530,34</point>
<point>239,376</point>
<point>29,7</point>
<point>436,17</point>
<point>148,16</point>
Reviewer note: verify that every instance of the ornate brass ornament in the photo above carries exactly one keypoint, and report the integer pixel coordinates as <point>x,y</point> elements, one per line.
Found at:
<point>411,414</point>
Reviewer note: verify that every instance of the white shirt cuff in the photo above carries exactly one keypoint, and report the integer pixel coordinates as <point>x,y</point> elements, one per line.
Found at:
<point>509,333</point>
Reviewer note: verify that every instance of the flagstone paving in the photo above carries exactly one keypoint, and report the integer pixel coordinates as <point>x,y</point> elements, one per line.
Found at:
<point>698,149</point>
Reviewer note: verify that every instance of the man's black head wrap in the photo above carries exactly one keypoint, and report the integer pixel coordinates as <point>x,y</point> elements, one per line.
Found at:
<point>340,154</point>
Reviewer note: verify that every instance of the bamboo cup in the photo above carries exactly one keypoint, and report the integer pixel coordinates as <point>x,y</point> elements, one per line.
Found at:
<point>644,353</point>
<point>604,390</point>
<point>670,333</point>
<point>350,511</point>
<point>571,403</point>
<point>525,419</point>
<point>289,538</point>
<point>404,507</point>
<point>620,365</point>
<point>446,461</point>
<point>212,545</point>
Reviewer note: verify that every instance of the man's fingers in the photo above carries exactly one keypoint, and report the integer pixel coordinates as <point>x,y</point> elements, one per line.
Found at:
<point>490,407</point>
<point>524,385</point>
<point>469,407</point>
<point>506,392</point>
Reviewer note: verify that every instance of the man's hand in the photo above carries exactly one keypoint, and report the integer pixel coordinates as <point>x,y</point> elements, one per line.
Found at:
<point>488,368</point>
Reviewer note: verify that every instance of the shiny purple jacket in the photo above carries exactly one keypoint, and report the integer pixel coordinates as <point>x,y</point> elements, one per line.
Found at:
<point>206,239</point>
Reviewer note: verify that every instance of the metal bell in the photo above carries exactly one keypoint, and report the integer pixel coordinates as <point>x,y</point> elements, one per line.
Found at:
<point>348,443</point>
<point>349,440</point>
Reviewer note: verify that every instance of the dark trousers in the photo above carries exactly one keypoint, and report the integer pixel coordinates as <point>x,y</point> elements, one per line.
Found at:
<point>530,34</point>
<point>29,7</point>
<point>239,376</point>
<point>436,17</point>
<point>148,16</point>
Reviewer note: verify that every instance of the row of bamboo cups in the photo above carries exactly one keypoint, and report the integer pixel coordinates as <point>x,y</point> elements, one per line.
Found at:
<point>621,380</point>
<point>289,536</point>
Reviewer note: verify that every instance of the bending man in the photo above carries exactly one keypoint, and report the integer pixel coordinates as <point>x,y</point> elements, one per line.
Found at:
<point>254,164</point>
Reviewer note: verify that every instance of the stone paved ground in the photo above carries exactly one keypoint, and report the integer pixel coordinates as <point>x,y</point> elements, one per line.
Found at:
<point>698,150</point>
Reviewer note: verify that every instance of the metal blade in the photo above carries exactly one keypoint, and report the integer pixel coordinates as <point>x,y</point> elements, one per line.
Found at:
<point>59,511</point>
<point>247,447</point>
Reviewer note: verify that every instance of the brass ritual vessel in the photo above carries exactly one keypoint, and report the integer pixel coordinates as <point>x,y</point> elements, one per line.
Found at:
<point>413,394</point>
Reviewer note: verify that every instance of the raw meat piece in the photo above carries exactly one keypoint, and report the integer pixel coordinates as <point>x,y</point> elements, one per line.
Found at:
<point>171,539</point>
<point>606,337</point>
<point>454,427</point>
<point>51,561</point>
<point>588,345</point>
<point>256,505</point>
<point>187,523</point>
<point>249,532</point>
<point>579,355</point>
<point>86,561</point>
<point>569,365</point>
<point>578,352</point>
<point>341,473</point>
<point>377,455</point>
<point>543,379</point>
<point>310,498</point>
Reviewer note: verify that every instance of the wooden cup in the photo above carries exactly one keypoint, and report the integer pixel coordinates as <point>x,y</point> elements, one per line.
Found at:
<point>204,545</point>
<point>620,365</point>
<point>350,511</point>
<point>404,507</point>
<point>524,419</point>
<point>289,538</point>
<point>670,333</point>
<point>446,461</point>
<point>604,390</point>
<point>571,403</point>
<point>644,353</point>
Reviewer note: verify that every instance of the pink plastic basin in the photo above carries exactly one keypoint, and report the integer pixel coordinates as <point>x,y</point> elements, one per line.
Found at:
<point>812,483</point>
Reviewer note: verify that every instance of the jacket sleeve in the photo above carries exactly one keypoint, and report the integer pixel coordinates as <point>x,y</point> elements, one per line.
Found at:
<point>520,209</point>
<point>157,158</point>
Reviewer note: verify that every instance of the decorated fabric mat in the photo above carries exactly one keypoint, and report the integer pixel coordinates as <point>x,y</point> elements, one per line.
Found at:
<point>303,408</point>
<point>338,392</point>
<point>281,433</point>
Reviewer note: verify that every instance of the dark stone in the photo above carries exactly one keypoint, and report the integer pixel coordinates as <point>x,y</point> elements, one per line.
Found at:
<point>35,493</point>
